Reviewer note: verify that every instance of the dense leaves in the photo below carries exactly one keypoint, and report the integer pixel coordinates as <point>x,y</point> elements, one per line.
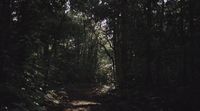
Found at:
<point>146,50</point>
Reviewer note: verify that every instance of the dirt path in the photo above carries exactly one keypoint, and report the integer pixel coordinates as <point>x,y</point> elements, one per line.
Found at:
<point>82,105</point>
<point>85,99</point>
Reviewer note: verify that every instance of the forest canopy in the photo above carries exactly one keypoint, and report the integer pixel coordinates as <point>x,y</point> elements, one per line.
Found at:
<point>144,54</point>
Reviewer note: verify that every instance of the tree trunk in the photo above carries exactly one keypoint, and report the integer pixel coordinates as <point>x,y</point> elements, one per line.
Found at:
<point>5,18</point>
<point>149,80</point>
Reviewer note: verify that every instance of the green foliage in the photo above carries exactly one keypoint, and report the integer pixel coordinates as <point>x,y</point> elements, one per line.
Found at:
<point>138,45</point>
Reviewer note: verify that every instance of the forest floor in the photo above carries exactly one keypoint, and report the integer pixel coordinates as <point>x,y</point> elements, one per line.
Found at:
<point>104,98</point>
<point>100,98</point>
<point>87,98</point>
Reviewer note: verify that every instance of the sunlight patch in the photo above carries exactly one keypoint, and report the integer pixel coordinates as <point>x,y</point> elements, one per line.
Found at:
<point>83,103</point>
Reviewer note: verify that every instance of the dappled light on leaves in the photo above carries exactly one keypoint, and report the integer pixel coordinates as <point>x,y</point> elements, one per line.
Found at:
<point>99,55</point>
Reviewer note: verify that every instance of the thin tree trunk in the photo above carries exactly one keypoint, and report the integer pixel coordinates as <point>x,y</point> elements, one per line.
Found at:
<point>192,45</point>
<point>148,45</point>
